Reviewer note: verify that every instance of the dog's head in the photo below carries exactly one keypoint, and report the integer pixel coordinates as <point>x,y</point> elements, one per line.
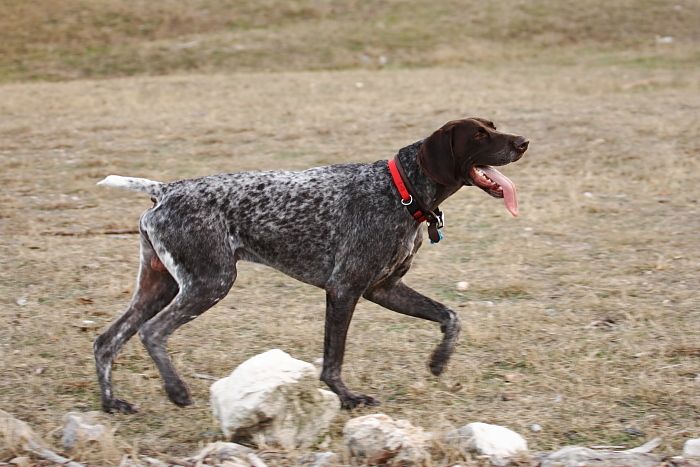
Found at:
<point>463,152</point>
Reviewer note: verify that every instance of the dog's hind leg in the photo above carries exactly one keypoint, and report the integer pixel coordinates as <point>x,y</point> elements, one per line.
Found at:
<point>155,288</point>
<point>397,296</point>
<point>205,269</point>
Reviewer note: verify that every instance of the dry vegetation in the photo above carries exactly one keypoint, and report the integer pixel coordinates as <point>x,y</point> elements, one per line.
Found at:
<point>71,39</point>
<point>582,315</point>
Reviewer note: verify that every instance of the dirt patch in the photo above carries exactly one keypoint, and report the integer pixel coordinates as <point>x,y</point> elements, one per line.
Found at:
<point>581,315</point>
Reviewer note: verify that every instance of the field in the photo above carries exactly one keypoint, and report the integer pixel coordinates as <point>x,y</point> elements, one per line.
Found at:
<point>582,315</point>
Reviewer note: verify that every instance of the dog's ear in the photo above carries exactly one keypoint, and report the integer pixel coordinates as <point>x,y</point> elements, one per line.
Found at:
<point>437,158</point>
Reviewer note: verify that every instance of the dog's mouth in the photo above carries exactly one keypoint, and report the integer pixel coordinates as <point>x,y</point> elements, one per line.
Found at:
<point>496,184</point>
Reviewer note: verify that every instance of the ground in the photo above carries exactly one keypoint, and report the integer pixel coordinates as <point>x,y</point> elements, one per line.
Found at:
<point>581,315</point>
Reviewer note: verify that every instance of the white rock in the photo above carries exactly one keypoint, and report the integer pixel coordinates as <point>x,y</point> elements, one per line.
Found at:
<point>81,430</point>
<point>575,456</point>
<point>378,439</point>
<point>495,441</point>
<point>21,461</point>
<point>153,462</point>
<point>275,399</point>
<point>462,286</point>
<point>220,451</point>
<point>128,460</point>
<point>320,459</point>
<point>691,448</point>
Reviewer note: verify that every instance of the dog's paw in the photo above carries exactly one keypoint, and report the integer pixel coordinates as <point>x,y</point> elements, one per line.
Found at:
<point>439,358</point>
<point>119,406</point>
<point>351,401</point>
<point>436,367</point>
<point>179,395</point>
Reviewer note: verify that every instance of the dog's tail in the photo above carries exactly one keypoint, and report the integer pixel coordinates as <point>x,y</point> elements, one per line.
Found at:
<point>142,185</point>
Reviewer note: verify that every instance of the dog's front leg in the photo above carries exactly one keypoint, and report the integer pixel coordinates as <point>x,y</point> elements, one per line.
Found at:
<point>398,297</point>
<point>340,306</point>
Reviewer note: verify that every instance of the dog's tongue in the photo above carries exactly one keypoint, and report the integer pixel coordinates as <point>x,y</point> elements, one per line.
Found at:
<point>509,195</point>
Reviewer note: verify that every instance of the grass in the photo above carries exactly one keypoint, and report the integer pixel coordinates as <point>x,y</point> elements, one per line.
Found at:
<point>589,300</point>
<point>581,315</point>
<point>72,39</point>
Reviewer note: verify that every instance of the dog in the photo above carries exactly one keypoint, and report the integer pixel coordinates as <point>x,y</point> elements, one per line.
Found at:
<point>349,229</point>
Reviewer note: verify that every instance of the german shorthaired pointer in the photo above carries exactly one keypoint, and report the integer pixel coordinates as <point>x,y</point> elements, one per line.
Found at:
<point>350,229</point>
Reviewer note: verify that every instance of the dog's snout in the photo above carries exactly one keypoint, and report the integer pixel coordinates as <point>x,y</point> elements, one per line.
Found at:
<point>521,144</point>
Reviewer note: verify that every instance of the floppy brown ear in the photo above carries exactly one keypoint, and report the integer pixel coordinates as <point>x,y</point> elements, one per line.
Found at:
<point>437,158</point>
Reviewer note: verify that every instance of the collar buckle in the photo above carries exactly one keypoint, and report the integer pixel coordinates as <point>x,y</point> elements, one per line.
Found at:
<point>417,210</point>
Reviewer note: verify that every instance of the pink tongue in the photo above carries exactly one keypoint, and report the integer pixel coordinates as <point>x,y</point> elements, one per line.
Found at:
<point>509,195</point>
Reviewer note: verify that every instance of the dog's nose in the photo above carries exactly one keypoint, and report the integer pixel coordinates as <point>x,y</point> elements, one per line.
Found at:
<point>521,144</point>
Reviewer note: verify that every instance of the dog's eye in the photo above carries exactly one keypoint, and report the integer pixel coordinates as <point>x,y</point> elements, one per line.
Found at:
<point>481,134</point>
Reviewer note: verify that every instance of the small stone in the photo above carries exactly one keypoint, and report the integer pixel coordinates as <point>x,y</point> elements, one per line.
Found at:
<point>319,459</point>
<point>220,452</point>
<point>462,286</point>
<point>22,301</point>
<point>497,442</point>
<point>633,432</point>
<point>691,448</point>
<point>535,427</point>
<point>81,430</point>
<point>21,461</point>
<point>580,456</point>
<point>129,460</point>
<point>359,85</point>
<point>86,324</point>
<point>512,377</point>
<point>418,387</point>
<point>379,439</point>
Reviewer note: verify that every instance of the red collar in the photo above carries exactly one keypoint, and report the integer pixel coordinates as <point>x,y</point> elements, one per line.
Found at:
<point>413,204</point>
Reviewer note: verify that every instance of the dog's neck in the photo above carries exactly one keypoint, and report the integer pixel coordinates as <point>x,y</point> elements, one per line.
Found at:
<point>430,192</point>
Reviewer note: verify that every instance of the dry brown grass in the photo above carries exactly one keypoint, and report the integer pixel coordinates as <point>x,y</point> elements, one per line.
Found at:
<point>582,315</point>
<point>72,39</point>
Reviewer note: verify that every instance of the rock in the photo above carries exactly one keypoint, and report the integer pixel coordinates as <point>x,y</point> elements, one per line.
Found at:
<point>130,461</point>
<point>153,462</point>
<point>22,461</point>
<point>647,447</point>
<point>16,436</point>
<point>379,439</point>
<point>497,442</point>
<point>319,459</point>
<point>221,453</point>
<point>275,399</point>
<point>691,448</point>
<point>462,286</point>
<point>82,431</point>
<point>574,456</point>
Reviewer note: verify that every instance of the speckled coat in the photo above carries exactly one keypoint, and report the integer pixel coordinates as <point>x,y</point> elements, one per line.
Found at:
<point>341,228</point>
